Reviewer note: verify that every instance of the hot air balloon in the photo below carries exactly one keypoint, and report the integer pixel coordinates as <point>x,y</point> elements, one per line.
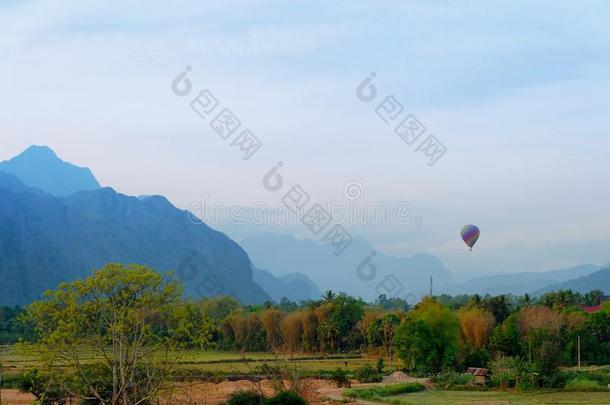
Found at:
<point>470,234</point>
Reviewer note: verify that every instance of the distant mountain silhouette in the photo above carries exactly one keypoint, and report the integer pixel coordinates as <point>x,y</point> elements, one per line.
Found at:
<point>39,166</point>
<point>296,287</point>
<point>522,283</point>
<point>599,280</point>
<point>46,239</point>
<point>284,254</point>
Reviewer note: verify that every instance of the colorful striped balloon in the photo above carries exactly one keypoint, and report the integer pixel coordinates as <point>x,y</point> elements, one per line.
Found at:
<point>470,235</point>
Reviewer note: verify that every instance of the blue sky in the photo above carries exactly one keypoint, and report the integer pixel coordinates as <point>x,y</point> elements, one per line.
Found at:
<point>516,91</point>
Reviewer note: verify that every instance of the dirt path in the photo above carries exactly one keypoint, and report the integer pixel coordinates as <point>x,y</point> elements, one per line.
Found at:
<point>211,394</point>
<point>14,397</point>
<point>200,393</point>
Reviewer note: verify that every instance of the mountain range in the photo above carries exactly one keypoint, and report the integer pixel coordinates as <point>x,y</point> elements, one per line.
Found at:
<point>58,224</point>
<point>46,239</point>
<point>282,253</point>
<point>598,280</point>
<point>524,282</point>
<point>360,270</point>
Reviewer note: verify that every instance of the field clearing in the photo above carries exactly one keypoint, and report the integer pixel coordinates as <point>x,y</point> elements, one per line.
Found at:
<point>204,393</point>
<point>15,361</point>
<point>499,398</point>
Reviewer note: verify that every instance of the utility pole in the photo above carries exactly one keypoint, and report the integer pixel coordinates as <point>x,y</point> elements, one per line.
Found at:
<point>578,351</point>
<point>430,286</point>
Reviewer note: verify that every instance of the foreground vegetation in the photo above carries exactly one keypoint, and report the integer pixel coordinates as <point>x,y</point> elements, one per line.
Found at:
<point>123,335</point>
<point>499,398</point>
<point>380,392</point>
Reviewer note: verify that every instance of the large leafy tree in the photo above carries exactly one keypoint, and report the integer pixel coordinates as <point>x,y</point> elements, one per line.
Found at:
<point>121,316</point>
<point>505,338</point>
<point>596,337</point>
<point>500,306</point>
<point>543,333</point>
<point>427,339</point>
<point>193,328</point>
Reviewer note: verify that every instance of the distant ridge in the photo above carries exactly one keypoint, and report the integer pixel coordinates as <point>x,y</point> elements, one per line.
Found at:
<point>522,283</point>
<point>599,280</point>
<point>393,276</point>
<point>296,287</point>
<point>40,167</point>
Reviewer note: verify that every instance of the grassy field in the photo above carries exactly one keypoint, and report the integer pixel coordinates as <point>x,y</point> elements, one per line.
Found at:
<point>499,398</point>
<point>212,361</point>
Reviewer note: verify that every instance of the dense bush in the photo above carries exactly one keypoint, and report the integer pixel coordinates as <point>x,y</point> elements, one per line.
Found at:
<point>557,380</point>
<point>286,398</point>
<point>243,397</point>
<point>583,384</point>
<point>504,371</point>
<point>381,391</point>
<point>339,376</point>
<point>450,379</point>
<point>42,386</point>
<point>100,381</point>
<point>367,374</point>
<point>379,366</point>
<point>601,376</point>
<point>11,381</point>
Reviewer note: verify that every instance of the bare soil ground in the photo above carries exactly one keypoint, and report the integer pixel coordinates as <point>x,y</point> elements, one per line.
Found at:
<point>200,393</point>
<point>14,397</point>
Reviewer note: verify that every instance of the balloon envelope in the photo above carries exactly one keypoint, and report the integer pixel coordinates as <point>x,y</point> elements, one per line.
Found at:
<point>470,235</point>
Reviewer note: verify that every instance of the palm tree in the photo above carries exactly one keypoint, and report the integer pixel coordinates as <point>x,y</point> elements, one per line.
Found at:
<point>327,331</point>
<point>526,300</point>
<point>329,296</point>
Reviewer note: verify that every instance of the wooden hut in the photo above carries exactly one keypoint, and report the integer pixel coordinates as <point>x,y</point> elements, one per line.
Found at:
<point>480,375</point>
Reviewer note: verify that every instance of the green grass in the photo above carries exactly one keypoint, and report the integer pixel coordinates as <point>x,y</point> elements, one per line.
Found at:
<point>499,398</point>
<point>381,391</point>
<point>584,384</point>
<point>210,361</point>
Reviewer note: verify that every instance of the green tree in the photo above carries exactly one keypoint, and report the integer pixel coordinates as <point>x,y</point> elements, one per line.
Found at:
<point>500,306</point>
<point>328,331</point>
<point>416,347</point>
<point>192,328</point>
<point>389,324</point>
<point>328,296</point>
<point>428,337</point>
<point>346,312</point>
<point>562,299</point>
<point>595,339</point>
<point>219,307</point>
<point>122,315</point>
<point>505,337</point>
<point>593,298</point>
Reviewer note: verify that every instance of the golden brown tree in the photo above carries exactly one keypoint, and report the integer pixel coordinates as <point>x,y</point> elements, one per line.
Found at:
<point>476,325</point>
<point>291,328</point>
<point>271,319</point>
